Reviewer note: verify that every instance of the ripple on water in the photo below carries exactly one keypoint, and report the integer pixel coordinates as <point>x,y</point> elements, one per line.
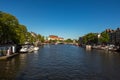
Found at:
<point>62,62</point>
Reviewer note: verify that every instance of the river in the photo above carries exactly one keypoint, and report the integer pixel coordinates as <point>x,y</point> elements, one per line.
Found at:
<point>62,62</point>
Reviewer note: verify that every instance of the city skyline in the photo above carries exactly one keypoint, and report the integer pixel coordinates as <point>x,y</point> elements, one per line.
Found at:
<point>65,18</point>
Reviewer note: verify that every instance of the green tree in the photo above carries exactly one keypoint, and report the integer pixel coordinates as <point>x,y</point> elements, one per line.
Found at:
<point>40,38</point>
<point>90,38</point>
<point>69,40</point>
<point>104,37</point>
<point>84,39</point>
<point>8,24</point>
<point>13,32</point>
<point>21,32</point>
<point>30,38</point>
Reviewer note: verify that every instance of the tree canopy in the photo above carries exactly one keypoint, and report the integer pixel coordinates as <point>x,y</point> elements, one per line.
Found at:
<point>69,40</point>
<point>11,31</point>
<point>8,25</point>
<point>89,38</point>
<point>104,38</point>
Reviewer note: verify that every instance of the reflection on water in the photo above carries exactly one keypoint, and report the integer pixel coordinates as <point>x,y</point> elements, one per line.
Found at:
<point>62,62</point>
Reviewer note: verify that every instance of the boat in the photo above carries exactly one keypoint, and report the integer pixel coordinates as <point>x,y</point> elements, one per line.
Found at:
<point>24,49</point>
<point>36,48</point>
<point>31,49</point>
<point>88,47</point>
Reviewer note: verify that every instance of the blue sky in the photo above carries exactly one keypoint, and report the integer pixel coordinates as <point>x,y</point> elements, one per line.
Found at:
<point>65,18</point>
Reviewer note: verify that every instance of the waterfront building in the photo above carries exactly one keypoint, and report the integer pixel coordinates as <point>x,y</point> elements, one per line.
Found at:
<point>114,36</point>
<point>118,36</point>
<point>61,39</point>
<point>54,37</point>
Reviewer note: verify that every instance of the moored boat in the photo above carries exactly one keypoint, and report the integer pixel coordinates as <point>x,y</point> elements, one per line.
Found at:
<point>36,48</point>
<point>24,49</point>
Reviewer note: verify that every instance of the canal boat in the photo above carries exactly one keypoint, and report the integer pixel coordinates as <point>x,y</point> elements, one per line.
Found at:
<point>31,49</point>
<point>24,50</point>
<point>36,48</point>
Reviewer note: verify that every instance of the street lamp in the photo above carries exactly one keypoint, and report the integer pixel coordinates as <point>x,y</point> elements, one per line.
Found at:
<point>99,35</point>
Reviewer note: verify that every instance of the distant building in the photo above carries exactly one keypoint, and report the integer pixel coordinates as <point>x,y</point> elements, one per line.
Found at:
<point>114,36</point>
<point>111,35</point>
<point>118,36</point>
<point>61,39</point>
<point>54,37</point>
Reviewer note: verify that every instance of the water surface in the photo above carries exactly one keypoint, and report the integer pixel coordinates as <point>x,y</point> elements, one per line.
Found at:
<point>62,62</point>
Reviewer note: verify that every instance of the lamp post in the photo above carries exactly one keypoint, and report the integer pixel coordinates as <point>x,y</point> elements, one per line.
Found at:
<point>99,35</point>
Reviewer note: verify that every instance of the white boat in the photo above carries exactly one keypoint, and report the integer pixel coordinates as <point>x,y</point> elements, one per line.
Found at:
<point>31,49</point>
<point>88,47</point>
<point>36,48</point>
<point>24,49</point>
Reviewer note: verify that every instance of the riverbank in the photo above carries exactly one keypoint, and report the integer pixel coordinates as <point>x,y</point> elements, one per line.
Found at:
<point>103,47</point>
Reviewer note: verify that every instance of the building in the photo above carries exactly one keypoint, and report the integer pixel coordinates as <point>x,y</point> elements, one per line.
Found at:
<point>61,39</point>
<point>118,36</point>
<point>54,37</point>
<point>114,36</point>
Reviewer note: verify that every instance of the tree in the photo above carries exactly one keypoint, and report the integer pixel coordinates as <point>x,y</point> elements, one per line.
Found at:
<point>21,32</point>
<point>40,38</point>
<point>30,38</point>
<point>8,24</point>
<point>84,39</point>
<point>69,40</point>
<point>90,38</point>
<point>13,32</point>
<point>104,37</point>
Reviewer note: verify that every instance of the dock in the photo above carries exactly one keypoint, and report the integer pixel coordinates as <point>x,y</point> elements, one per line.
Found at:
<point>6,57</point>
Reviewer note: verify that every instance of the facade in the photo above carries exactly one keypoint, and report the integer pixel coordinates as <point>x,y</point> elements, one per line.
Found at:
<point>114,36</point>
<point>118,36</point>
<point>61,39</point>
<point>54,37</point>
